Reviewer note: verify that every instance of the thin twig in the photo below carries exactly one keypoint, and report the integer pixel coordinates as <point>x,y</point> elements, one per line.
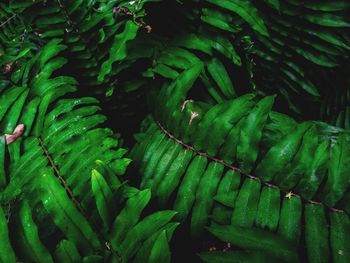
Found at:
<point>8,20</point>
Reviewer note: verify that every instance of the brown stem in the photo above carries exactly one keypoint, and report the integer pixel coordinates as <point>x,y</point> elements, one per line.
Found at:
<point>63,182</point>
<point>287,194</point>
<point>8,20</point>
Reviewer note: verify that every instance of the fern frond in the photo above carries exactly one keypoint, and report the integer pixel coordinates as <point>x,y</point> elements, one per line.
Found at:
<point>213,148</point>
<point>54,200</point>
<point>87,28</point>
<point>187,150</point>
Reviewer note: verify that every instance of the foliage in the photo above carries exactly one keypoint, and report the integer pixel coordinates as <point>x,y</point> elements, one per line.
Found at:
<point>67,203</point>
<point>244,171</point>
<point>238,99</point>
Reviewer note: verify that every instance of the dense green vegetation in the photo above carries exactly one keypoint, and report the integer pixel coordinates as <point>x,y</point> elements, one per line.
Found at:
<point>174,131</point>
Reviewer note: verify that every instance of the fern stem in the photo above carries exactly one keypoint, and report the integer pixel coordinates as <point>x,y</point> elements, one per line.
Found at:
<point>63,182</point>
<point>8,20</point>
<point>75,201</point>
<point>236,169</point>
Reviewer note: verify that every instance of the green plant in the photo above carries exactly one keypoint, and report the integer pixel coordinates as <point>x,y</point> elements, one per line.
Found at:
<point>214,82</point>
<point>243,170</point>
<point>46,199</point>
